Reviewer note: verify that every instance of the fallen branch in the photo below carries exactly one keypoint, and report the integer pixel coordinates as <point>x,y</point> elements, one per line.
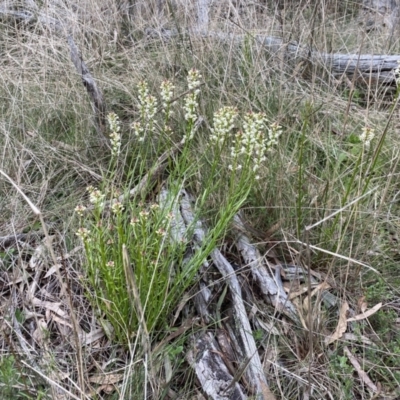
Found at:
<point>90,86</point>
<point>368,69</point>
<point>373,70</point>
<point>271,288</point>
<point>254,371</point>
<point>178,235</point>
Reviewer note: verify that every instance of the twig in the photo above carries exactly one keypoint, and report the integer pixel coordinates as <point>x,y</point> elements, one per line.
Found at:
<point>361,373</point>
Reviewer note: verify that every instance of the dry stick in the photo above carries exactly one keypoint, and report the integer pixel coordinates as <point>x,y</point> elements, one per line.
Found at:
<point>254,372</point>
<point>361,373</point>
<point>91,87</point>
<point>74,320</point>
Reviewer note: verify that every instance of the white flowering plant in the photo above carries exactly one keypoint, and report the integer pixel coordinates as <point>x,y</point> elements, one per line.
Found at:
<point>131,231</point>
<point>127,241</point>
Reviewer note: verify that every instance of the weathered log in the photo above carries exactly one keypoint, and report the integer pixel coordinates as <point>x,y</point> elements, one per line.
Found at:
<point>369,69</point>
<point>373,70</point>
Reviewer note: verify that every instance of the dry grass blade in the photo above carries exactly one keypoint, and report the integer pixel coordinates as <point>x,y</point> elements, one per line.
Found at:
<point>352,260</point>
<point>307,228</point>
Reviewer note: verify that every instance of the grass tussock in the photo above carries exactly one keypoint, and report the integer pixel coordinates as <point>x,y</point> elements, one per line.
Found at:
<point>101,302</point>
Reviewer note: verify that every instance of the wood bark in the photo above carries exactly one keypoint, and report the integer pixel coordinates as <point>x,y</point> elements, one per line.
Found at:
<point>214,376</point>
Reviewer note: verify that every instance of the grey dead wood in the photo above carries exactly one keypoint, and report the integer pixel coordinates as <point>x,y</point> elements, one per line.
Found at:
<point>202,7</point>
<point>270,286</point>
<point>376,15</point>
<point>202,300</point>
<point>205,356</point>
<point>253,371</point>
<point>169,202</point>
<point>218,377</point>
<point>368,69</point>
<point>211,370</point>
